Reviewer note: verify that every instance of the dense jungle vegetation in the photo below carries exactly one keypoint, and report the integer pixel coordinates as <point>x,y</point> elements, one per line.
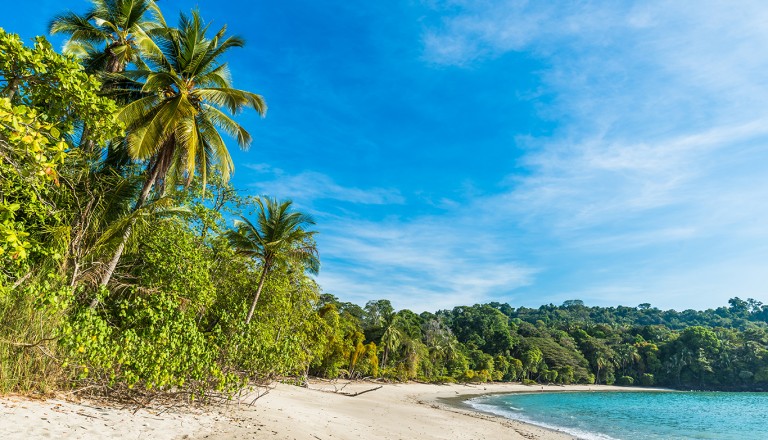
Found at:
<point>120,267</point>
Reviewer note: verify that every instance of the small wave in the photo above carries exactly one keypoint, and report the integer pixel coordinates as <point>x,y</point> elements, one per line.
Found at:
<point>517,414</point>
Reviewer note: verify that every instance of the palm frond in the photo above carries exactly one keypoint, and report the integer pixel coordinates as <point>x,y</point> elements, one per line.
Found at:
<point>215,147</point>
<point>215,76</point>
<point>144,142</point>
<point>232,99</point>
<point>213,52</point>
<point>136,112</point>
<point>188,140</point>
<point>79,28</point>
<point>160,81</point>
<point>224,122</point>
<point>157,14</point>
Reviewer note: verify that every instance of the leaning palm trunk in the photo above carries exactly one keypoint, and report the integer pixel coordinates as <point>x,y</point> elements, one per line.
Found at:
<point>150,182</point>
<point>258,293</point>
<point>277,235</point>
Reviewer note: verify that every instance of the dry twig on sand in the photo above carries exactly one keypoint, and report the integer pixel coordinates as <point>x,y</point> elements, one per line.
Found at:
<point>337,390</point>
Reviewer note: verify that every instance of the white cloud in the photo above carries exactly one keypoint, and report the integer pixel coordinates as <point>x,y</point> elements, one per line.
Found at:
<point>310,186</point>
<point>422,264</point>
<point>659,163</point>
<point>486,30</point>
<point>652,189</point>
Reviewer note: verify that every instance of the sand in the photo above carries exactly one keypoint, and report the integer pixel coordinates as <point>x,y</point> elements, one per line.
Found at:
<point>26,419</point>
<point>394,411</point>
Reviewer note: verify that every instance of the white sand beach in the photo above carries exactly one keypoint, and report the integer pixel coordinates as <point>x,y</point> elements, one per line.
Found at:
<point>394,411</point>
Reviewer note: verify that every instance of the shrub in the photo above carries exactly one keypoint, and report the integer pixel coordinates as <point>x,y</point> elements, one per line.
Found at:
<point>647,379</point>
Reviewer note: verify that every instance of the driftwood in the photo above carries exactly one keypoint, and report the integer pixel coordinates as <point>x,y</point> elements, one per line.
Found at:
<point>362,392</point>
<point>337,390</point>
<point>259,395</point>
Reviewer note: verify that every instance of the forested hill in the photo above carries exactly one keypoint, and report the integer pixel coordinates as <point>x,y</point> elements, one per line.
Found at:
<point>740,314</point>
<point>726,348</point>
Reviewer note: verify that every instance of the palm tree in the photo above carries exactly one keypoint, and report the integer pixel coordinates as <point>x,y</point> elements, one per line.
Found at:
<point>120,26</point>
<point>277,237</point>
<point>109,37</point>
<point>391,340</point>
<point>173,125</point>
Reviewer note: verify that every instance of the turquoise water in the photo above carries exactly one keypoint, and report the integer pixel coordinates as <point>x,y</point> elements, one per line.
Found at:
<point>638,415</point>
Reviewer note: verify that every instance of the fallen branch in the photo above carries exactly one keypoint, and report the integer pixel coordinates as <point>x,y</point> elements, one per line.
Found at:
<point>21,280</point>
<point>87,415</point>
<point>80,390</point>
<point>341,391</point>
<point>27,344</point>
<point>362,392</point>
<point>259,395</point>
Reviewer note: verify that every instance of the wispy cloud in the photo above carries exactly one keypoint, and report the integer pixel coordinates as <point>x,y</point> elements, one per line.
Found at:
<point>423,264</point>
<point>658,164</point>
<point>487,30</point>
<point>650,187</point>
<point>310,186</point>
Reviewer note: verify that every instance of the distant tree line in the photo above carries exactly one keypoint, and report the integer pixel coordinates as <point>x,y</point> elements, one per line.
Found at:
<point>724,348</point>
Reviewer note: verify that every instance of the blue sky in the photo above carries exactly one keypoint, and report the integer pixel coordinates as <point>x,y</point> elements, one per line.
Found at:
<point>456,152</point>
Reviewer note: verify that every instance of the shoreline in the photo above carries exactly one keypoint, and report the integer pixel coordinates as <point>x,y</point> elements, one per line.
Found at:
<point>461,402</point>
<point>394,411</point>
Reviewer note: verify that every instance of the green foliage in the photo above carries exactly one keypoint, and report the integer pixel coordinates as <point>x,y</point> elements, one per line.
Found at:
<point>56,85</point>
<point>175,263</point>
<point>29,320</point>
<point>44,96</point>
<point>558,357</point>
<point>483,327</point>
<point>29,156</point>
<point>343,352</point>
<point>147,340</point>
<point>283,337</point>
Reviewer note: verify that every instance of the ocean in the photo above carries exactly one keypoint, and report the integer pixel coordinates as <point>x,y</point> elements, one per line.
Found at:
<point>638,415</point>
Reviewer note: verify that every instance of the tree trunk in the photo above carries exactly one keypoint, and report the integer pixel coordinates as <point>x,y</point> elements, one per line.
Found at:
<point>384,358</point>
<point>75,273</point>
<point>258,292</point>
<point>113,63</point>
<point>148,184</point>
<point>86,143</point>
<point>12,88</point>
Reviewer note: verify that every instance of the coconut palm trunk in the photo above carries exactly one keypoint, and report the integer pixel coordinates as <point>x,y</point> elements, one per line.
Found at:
<point>263,278</point>
<point>143,196</point>
<point>175,122</point>
<point>277,237</point>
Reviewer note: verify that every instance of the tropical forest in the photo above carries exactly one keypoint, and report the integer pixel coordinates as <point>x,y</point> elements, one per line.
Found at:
<point>130,264</point>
